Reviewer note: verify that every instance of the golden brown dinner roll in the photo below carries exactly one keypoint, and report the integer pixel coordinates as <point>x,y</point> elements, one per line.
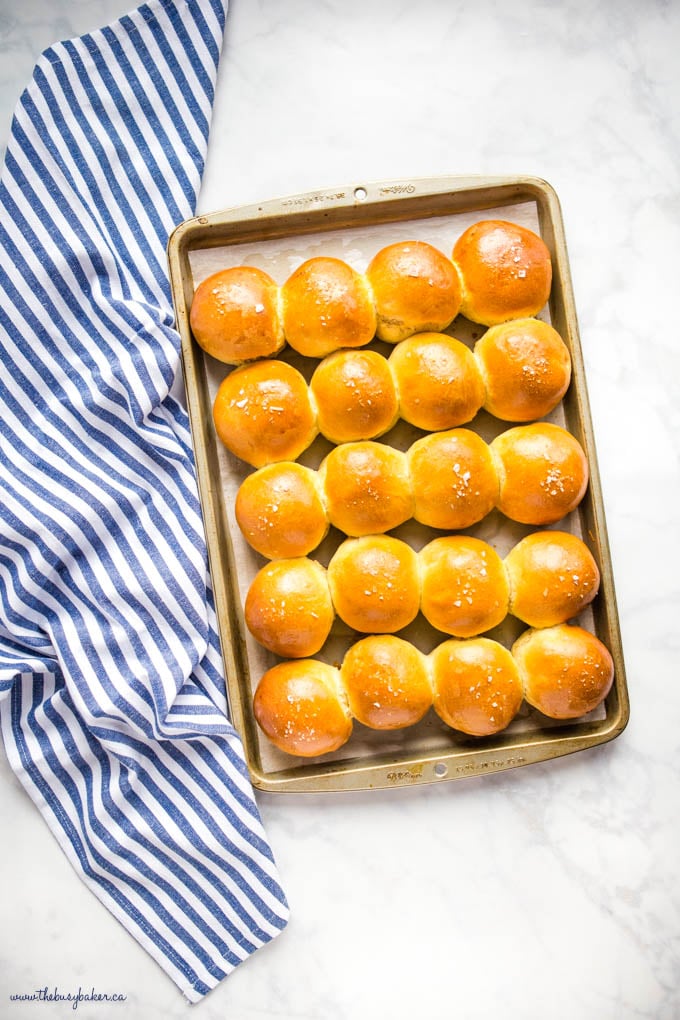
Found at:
<point>367,488</point>
<point>542,473</point>
<point>235,315</point>
<point>526,368</point>
<point>375,583</point>
<point>355,396</point>
<point>415,289</point>
<point>302,708</point>
<point>288,608</point>
<point>464,588</point>
<point>387,682</point>
<point>566,670</point>
<point>438,380</point>
<point>553,576</point>
<point>505,271</point>
<point>326,305</point>
<point>476,684</point>
<point>263,413</point>
<point>280,511</point>
<point>453,479</point>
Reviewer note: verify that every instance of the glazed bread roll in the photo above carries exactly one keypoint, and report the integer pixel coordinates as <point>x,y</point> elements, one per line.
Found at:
<point>526,369</point>
<point>553,576</point>
<point>280,511</point>
<point>375,583</point>
<point>355,396</point>
<point>386,681</point>
<point>505,272</point>
<point>235,315</point>
<point>415,289</point>
<point>453,478</point>
<point>263,413</point>
<point>542,473</point>
<point>367,488</point>
<point>438,381</point>
<point>288,607</point>
<point>566,670</point>
<point>464,588</point>
<point>476,685</point>
<point>302,708</point>
<point>327,305</point>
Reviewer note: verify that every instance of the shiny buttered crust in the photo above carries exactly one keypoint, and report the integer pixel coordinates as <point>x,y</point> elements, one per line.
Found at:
<point>526,368</point>
<point>566,670</point>
<point>553,576</point>
<point>505,272</point>
<point>438,380</point>
<point>367,488</point>
<point>415,289</point>
<point>288,607</point>
<point>542,473</point>
<point>327,305</point>
<point>280,512</point>
<point>464,588</point>
<point>355,396</point>
<point>375,583</point>
<point>235,315</point>
<point>386,681</point>
<point>476,685</point>
<point>301,707</point>
<point>454,479</point>
<point>263,413</point>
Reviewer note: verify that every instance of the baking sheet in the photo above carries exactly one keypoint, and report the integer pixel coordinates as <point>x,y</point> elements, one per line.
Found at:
<point>428,751</point>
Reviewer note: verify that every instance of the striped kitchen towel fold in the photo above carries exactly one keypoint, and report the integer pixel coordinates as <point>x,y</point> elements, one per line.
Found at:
<point>112,695</point>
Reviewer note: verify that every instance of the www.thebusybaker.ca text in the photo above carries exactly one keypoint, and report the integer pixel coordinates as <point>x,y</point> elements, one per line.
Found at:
<point>45,995</point>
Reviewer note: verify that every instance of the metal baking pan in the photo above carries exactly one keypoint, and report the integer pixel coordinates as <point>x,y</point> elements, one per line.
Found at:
<point>353,223</point>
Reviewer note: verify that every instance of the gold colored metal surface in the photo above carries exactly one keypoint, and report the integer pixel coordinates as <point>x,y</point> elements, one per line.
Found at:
<point>431,752</point>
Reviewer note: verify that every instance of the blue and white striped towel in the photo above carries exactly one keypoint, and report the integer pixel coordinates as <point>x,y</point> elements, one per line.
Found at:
<point>112,695</point>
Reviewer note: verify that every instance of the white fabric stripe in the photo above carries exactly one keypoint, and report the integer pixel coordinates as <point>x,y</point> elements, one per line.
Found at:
<point>106,455</point>
<point>153,919</point>
<point>122,498</point>
<point>90,151</point>
<point>206,835</point>
<point>143,398</point>
<point>190,71</point>
<point>107,706</point>
<point>166,122</point>
<point>164,873</point>
<point>146,563</point>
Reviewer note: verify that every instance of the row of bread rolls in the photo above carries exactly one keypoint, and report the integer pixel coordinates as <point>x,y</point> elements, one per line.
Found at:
<point>476,686</point>
<point>497,271</point>
<point>378,584</point>
<point>534,474</point>
<point>518,372</point>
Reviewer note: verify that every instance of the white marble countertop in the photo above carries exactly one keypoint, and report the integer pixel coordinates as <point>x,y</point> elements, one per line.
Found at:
<point>550,890</point>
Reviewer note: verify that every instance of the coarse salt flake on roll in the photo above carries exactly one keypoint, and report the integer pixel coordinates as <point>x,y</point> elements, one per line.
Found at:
<point>302,708</point>
<point>288,607</point>
<point>375,583</point>
<point>367,488</point>
<point>477,686</point>
<point>542,472</point>
<point>415,288</point>
<point>438,381</point>
<point>387,682</point>
<point>235,315</point>
<point>566,671</point>
<point>326,305</point>
<point>263,413</point>
<point>505,271</point>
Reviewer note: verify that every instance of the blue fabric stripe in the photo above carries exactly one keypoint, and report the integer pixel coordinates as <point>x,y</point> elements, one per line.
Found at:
<point>100,483</point>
